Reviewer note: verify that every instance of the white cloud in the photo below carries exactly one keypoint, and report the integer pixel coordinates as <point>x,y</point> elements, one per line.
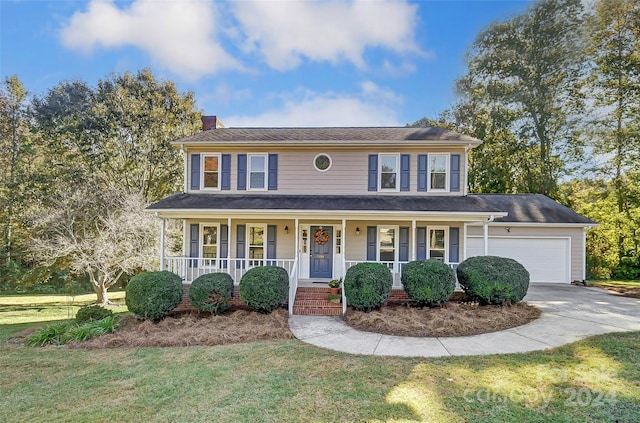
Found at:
<point>285,32</point>
<point>178,35</point>
<point>372,107</point>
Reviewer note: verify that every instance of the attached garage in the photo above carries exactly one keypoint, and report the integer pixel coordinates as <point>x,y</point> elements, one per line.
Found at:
<point>546,259</point>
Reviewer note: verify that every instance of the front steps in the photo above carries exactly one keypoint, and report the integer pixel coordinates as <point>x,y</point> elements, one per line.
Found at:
<point>314,302</point>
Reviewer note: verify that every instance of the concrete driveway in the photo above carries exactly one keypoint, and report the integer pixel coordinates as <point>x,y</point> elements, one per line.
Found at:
<point>569,313</point>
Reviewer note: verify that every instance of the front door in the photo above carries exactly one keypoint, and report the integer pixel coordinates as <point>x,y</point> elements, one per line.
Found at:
<point>321,252</point>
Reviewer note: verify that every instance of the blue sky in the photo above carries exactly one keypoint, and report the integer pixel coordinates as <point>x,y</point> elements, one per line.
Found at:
<point>259,63</point>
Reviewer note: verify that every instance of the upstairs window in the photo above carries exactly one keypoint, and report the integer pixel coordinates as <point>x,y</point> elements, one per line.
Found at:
<point>438,170</point>
<point>388,172</point>
<point>258,171</point>
<point>211,171</point>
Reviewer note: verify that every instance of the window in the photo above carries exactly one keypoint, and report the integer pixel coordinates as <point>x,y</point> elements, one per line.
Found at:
<point>258,171</point>
<point>210,241</point>
<point>389,172</point>
<point>437,244</point>
<point>438,171</point>
<point>386,244</point>
<point>211,171</point>
<point>322,162</point>
<point>256,236</point>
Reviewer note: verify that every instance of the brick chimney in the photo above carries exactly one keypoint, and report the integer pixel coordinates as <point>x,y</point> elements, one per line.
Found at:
<point>211,122</point>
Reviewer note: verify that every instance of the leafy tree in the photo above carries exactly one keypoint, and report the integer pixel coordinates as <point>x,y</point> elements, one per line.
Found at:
<point>527,72</point>
<point>614,86</point>
<point>15,157</point>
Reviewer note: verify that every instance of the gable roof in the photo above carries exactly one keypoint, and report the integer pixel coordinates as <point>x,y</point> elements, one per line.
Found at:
<point>328,136</point>
<point>524,208</point>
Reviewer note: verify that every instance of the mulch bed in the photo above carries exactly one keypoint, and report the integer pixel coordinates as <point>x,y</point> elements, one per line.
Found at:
<point>184,330</point>
<point>452,319</point>
<point>626,292</point>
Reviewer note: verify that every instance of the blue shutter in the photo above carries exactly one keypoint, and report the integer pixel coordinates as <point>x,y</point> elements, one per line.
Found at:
<point>405,161</point>
<point>194,245</point>
<point>371,243</point>
<point>422,172</point>
<point>224,245</point>
<point>403,251</point>
<point>373,172</point>
<point>454,184</point>
<point>195,171</point>
<point>273,172</point>
<point>454,245</point>
<point>421,243</point>
<point>242,171</point>
<point>240,236</point>
<point>271,244</point>
<point>225,184</point>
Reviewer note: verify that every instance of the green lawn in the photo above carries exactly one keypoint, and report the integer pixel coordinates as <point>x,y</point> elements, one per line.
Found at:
<point>594,380</point>
<point>618,284</point>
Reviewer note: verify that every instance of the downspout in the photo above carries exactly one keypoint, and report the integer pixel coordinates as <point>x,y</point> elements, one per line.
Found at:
<point>584,254</point>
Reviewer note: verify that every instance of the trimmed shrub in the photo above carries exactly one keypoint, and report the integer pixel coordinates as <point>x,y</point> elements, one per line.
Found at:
<point>428,282</point>
<point>265,288</point>
<point>153,295</point>
<point>367,285</point>
<point>493,280</point>
<point>212,292</point>
<point>90,313</point>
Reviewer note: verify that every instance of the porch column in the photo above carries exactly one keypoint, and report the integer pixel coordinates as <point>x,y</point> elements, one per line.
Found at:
<point>485,229</point>
<point>344,246</point>
<point>229,244</point>
<point>296,254</point>
<point>162,229</point>
<point>464,239</point>
<point>414,230</point>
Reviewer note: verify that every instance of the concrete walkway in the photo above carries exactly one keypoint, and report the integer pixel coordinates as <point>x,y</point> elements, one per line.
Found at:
<point>569,313</point>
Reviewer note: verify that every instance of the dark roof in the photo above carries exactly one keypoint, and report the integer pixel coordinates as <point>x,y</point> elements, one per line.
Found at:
<point>320,135</point>
<point>534,208</point>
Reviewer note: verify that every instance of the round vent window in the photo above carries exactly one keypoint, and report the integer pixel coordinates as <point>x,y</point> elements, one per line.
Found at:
<point>322,162</point>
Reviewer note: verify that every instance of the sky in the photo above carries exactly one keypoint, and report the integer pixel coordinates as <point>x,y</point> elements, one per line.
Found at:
<point>268,63</point>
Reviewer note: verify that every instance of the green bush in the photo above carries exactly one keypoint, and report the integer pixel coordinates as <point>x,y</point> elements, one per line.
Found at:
<point>54,334</point>
<point>265,288</point>
<point>153,295</point>
<point>428,282</point>
<point>69,331</point>
<point>493,280</point>
<point>212,292</point>
<point>367,285</point>
<point>93,312</point>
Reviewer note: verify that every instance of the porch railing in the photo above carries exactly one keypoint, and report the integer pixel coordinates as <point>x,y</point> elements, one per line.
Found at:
<point>396,270</point>
<point>190,268</point>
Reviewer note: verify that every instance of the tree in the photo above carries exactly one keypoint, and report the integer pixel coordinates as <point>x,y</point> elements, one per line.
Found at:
<point>104,234</point>
<point>528,72</point>
<point>15,152</point>
<point>614,85</point>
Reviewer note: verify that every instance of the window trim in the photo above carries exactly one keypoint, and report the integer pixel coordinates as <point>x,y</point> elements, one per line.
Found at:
<point>265,156</point>
<point>201,244</point>
<point>203,156</point>
<point>447,172</point>
<point>396,238</point>
<point>255,262</point>
<point>446,241</point>
<point>397,158</point>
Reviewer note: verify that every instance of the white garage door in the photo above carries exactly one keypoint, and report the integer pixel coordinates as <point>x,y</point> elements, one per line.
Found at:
<point>546,259</point>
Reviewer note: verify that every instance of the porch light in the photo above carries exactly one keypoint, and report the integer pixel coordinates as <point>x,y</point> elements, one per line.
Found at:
<point>357,230</point>
<point>286,229</point>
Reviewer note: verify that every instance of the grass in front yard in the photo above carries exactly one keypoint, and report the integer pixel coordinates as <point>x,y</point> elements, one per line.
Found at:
<point>593,380</point>
<point>16,309</point>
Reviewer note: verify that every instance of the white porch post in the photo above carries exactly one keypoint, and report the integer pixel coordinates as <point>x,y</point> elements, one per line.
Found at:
<point>485,233</point>
<point>464,238</point>
<point>414,230</point>
<point>162,229</point>
<point>344,246</point>
<point>229,243</point>
<point>297,250</point>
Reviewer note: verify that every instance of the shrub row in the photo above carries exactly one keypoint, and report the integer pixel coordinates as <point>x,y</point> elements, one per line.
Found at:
<point>485,279</point>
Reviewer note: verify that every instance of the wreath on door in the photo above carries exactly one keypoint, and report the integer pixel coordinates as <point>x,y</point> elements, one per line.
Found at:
<point>320,237</point>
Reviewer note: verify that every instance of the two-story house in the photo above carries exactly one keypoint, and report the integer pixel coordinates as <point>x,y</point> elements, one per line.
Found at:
<point>319,200</point>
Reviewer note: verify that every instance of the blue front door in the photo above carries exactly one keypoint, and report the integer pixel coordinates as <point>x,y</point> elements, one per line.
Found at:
<point>321,252</point>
